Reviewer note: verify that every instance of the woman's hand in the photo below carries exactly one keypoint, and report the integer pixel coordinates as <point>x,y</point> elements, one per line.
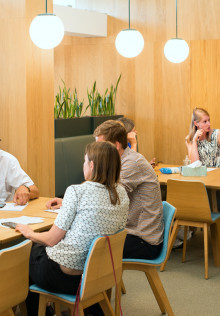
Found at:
<point>199,133</point>
<point>54,204</point>
<point>25,230</point>
<point>131,137</point>
<point>153,162</point>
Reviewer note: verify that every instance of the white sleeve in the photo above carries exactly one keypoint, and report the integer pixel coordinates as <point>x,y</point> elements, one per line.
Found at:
<point>16,175</point>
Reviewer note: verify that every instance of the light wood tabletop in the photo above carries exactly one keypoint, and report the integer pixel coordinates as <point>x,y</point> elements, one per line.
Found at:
<point>35,208</point>
<point>211,181</point>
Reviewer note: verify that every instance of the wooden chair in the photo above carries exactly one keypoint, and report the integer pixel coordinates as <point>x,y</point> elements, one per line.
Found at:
<point>149,266</point>
<point>98,278</point>
<point>14,276</point>
<point>191,201</point>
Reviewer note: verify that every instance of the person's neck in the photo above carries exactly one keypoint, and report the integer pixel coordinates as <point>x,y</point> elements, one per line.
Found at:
<point>121,151</point>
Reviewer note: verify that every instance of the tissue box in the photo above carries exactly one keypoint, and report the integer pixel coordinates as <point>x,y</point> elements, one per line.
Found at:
<point>194,172</point>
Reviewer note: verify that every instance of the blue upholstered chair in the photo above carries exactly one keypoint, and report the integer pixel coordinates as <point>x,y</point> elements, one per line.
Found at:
<point>149,266</point>
<point>14,276</point>
<point>98,278</point>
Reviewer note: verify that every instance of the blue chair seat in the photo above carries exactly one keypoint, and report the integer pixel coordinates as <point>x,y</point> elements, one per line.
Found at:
<point>149,266</point>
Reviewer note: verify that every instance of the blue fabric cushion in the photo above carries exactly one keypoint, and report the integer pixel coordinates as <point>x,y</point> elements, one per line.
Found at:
<point>67,297</point>
<point>215,216</point>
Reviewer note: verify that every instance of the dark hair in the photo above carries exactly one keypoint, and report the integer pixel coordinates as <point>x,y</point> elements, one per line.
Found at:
<point>197,116</point>
<point>128,123</point>
<point>112,131</point>
<point>107,166</point>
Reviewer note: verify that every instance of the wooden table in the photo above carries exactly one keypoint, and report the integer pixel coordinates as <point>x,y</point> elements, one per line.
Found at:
<point>35,208</point>
<point>212,183</point>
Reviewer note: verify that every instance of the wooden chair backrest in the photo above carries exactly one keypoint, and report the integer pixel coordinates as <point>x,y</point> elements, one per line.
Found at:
<point>14,275</point>
<point>190,200</point>
<point>98,272</point>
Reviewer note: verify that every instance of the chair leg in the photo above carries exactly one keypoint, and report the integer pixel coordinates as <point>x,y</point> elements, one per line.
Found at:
<point>118,292</point>
<point>42,305</point>
<point>184,243</point>
<point>109,293</point>
<point>123,289</point>
<point>215,237</point>
<point>81,311</point>
<point>23,309</point>
<point>57,309</point>
<point>205,228</point>
<point>106,306</point>
<point>158,290</point>
<point>175,230</point>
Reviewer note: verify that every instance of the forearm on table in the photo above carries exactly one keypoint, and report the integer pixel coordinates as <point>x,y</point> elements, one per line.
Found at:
<point>193,152</point>
<point>34,192</point>
<point>48,238</point>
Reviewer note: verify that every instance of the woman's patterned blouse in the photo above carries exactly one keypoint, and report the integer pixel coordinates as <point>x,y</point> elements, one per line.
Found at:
<point>86,213</point>
<point>209,152</point>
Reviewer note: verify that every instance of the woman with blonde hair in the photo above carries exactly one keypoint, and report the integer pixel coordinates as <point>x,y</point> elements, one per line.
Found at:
<point>203,142</point>
<point>96,207</point>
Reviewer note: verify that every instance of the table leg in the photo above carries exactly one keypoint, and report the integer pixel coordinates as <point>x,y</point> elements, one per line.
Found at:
<point>212,200</point>
<point>215,237</point>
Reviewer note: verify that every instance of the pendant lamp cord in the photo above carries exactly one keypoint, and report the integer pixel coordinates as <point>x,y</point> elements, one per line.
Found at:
<point>129,14</point>
<point>46,5</point>
<point>176,19</point>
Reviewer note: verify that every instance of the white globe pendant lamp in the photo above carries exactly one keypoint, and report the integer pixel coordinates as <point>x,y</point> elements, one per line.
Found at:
<point>46,30</point>
<point>129,42</point>
<point>176,50</point>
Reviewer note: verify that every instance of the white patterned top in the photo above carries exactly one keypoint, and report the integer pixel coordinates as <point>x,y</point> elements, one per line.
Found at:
<point>209,152</point>
<point>86,213</point>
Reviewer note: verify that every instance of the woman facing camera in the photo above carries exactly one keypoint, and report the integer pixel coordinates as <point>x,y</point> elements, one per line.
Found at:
<point>203,142</point>
<point>96,207</point>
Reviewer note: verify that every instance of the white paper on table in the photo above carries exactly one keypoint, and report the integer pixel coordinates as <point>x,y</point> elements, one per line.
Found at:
<point>195,164</point>
<point>52,211</point>
<point>13,207</point>
<point>210,169</point>
<point>22,220</point>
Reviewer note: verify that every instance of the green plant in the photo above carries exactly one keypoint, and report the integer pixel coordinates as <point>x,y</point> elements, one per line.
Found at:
<point>66,104</point>
<point>102,104</point>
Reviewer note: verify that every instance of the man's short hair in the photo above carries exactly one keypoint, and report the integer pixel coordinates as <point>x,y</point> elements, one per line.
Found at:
<point>112,131</point>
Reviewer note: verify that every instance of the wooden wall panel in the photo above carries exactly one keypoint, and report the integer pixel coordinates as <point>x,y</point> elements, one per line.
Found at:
<point>27,93</point>
<point>12,81</point>
<point>172,103</point>
<point>157,94</point>
<point>205,81</point>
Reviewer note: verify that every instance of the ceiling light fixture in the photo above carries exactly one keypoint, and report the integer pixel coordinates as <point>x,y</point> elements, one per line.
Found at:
<point>129,42</point>
<point>46,30</point>
<point>176,49</point>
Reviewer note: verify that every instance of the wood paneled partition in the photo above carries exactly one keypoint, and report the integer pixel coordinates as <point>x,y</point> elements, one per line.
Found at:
<point>27,93</point>
<point>157,94</point>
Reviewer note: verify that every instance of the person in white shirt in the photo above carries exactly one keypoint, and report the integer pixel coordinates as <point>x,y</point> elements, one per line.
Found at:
<point>15,184</point>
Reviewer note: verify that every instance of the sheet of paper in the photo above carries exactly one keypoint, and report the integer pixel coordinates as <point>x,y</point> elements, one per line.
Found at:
<point>210,169</point>
<point>22,220</point>
<point>13,207</point>
<point>52,211</point>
